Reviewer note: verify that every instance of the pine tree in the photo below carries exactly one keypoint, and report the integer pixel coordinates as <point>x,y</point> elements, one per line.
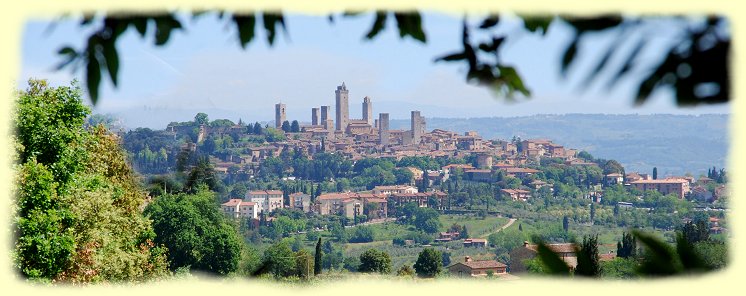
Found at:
<point>317,258</point>
<point>627,248</point>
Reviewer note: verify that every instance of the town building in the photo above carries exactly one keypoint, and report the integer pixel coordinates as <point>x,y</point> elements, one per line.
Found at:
<point>475,242</point>
<point>237,208</point>
<point>478,268</point>
<point>394,189</point>
<point>516,194</point>
<point>300,201</point>
<point>679,187</point>
<point>266,200</point>
<point>565,251</point>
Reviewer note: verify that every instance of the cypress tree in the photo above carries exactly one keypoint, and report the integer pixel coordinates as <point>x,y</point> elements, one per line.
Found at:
<point>565,223</point>
<point>588,263</point>
<point>655,173</point>
<point>317,258</point>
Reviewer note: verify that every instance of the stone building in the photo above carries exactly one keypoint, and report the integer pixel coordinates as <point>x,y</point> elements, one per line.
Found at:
<point>315,116</point>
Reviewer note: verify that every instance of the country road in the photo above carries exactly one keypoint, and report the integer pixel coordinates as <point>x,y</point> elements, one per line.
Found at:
<point>510,222</point>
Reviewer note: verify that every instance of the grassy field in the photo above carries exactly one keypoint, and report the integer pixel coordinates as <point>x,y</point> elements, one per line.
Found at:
<point>475,225</point>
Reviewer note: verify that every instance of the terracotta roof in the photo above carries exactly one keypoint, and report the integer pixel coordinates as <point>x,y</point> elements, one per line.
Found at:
<point>477,171</point>
<point>520,170</point>
<point>232,202</point>
<point>514,191</point>
<point>660,181</point>
<point>475,240</point>
<point>482,264</point>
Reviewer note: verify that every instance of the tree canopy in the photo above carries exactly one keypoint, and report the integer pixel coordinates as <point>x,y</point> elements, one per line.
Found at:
<point>78,216</point>
<point>195,232</point>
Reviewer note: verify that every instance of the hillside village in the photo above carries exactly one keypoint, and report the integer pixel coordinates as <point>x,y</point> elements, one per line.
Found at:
<point>431,204</point>
<point>515,170</point>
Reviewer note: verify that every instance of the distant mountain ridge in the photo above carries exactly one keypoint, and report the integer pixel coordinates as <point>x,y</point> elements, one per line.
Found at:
<point>676,144</point>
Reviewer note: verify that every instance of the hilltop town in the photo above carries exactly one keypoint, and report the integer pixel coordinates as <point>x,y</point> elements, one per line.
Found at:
<point>237,198</point>
<point>318,177</point>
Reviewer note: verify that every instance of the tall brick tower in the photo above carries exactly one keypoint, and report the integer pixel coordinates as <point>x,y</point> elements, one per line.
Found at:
<point>315,114</point>
<point>418,127</point>
<point>368,110</point>
<point>383,128</point>
<point>279,114</point>
<point>342,105</point>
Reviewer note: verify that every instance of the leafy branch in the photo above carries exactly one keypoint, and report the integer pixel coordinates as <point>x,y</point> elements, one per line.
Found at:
<point>695,66</point>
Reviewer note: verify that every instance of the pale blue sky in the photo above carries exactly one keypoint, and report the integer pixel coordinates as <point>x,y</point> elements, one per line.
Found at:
<point>205,69</point>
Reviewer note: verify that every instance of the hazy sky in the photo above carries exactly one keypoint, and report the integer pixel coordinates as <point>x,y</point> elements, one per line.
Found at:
<point>204,69</point>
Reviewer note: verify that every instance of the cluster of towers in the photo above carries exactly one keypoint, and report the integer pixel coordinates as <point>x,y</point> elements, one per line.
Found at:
<point>320,118</point>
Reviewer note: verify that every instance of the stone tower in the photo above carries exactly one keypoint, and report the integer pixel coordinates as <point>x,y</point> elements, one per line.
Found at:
<point>342,105</point>
<point>279,114</point>
<point>383,128</point>
<point>324,114</point>
<point>315,114</point>
<point>368,110</point>
<point>418,127</point>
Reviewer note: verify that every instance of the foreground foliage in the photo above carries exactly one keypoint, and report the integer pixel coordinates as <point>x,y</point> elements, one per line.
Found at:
<point>78,209</point>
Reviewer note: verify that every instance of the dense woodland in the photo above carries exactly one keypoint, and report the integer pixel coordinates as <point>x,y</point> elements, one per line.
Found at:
<point>83,214</point>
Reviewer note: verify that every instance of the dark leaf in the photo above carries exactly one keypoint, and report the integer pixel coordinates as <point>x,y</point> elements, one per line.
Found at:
<point>585,24</point>
<point>245,25</point>
<point>513,80</point>
<point>604,60</point>
<point>67,50</point>
<point>271,20</point>
<point>690,260</point>
<point>71,56</point>
<point>569,55</point>
<point>378,25</point>
<point>659,257</point>
<point>628,62</point>
<point>112,60</point>
<point>93,77</point>
<point>352,13</point>
<point>141,25</point>
<point>163,27</point>
<point>452,57</point>
<point>410,23</point>
<point>533,24</point>
<point>87,20</point>
<point>492,47</point>
<point>490,22</point>
<point>552,261</point>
